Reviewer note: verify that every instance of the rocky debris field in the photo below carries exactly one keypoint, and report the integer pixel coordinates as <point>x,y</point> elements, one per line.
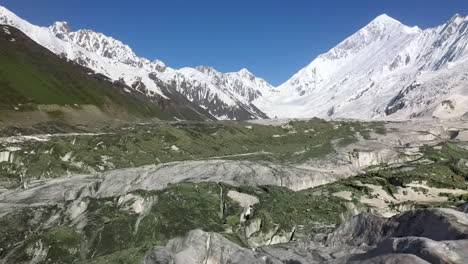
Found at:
<point>294,191</point>
<point>418,236</point>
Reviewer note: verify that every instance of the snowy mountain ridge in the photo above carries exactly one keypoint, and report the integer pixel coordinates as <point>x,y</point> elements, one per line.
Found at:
<point>200,87</point>
<point>386,70</point>
<point>217,93</point>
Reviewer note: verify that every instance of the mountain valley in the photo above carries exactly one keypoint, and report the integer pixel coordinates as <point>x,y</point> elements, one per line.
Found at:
<point>108,157</point>
<point>394,71</point>
<point>154,182</point>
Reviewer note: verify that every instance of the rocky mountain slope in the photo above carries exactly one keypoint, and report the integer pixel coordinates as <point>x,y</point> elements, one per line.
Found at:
<point>385,70</point>
<point>223,95</point>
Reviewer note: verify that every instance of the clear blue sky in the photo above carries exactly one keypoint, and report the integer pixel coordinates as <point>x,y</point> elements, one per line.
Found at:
<point>271,38</point>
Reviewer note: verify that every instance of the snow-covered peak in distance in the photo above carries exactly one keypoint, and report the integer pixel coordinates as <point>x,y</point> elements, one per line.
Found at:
<point>385,19</point>
<point>102,45</point>
<point>60,28</point>
<point>457,18</point>
<point>355,53</point>
<point>245,78</point>
<point>381,28</point>
<point>245,72</point>
<point>208,70</point>
<point>243,84</point>
<point>385,70</point>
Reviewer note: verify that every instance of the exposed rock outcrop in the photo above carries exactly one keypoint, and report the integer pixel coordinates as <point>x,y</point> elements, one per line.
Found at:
<point>419,236</point>
<point>423,248</point>
<point>202,247</point>
<point>463,208</point>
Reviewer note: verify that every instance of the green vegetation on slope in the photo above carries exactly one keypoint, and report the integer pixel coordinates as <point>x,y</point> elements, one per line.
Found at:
<point>121,229</point>
<point>139,145</point>
<point>110,226</point>
<point>446,166</point>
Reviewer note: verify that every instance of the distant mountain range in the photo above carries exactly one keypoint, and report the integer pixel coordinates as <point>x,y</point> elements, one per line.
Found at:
<point>385,70</point>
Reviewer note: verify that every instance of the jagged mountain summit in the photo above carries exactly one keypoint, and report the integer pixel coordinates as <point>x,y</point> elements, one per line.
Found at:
<point>223,95</point>
<point>385,70</point>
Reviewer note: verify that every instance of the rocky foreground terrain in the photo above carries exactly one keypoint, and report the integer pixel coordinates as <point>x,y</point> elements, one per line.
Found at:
<point>98,163</point>
<point>419,236</point>
<point>265,191</point>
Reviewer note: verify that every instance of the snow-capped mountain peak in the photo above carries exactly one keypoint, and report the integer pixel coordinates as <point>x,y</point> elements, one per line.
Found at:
<point>60,28</point>
<point>102,45</point>
<point>358,52</point>
<point>246,73</point>
<point>207,70</point>
<point>385,22</point>
<point>381,28</point>
<point>158,65</point>
<point>385,70</point>
<point>457,18</point>
<point>385,19</point>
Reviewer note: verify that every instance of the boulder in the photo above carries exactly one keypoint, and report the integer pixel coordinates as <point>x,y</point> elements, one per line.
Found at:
<point>199,247</point>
